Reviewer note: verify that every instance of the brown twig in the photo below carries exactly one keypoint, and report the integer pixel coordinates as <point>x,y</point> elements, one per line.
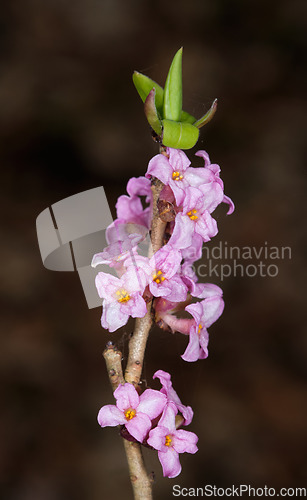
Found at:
<point>140,480</point>
<point>113,359</point>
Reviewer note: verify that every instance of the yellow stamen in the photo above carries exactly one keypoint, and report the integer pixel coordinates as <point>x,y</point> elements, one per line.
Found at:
<point>192,215</point>
<point>123,295</point>
<point>177,176</point>
<point>200,327</point>
<point>130,413</point>
<point>168,440</point>
<point>158,277</point>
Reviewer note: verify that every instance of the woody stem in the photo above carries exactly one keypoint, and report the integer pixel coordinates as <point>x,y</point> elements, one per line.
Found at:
<point>141,482</point>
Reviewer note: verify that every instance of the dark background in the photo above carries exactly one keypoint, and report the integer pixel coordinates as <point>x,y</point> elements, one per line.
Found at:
<point>70,120</point>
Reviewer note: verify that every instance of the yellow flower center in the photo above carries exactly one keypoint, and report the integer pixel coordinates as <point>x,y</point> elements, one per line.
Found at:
<point>130,413</point>
<point>158,277</point>
<point>200,327</point>
<point>168,440</point>
<point>122,295</point>
<point>192,214</point>
<point>177,176</point>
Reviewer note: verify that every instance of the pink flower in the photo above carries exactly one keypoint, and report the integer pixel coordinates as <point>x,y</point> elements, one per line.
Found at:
<point>130,208</point>
<point>174,171</point>
<point>166,281</point>
<point>170,170</point>
<point>206,290</point>
<point>194,251</point>
<point>189,276</point>
<point>122,298</point>
<point>194,219</point>
<point>214,189</point>
<point>140,186</point>
<point>204,313</point>
<point>123,244</point>
<point>132,410</point>
<point>170,442</point>
<point>162,272</point>
<point>172,396</point>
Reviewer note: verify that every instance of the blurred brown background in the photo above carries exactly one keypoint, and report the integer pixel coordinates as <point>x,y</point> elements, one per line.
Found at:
<point>70,120</point>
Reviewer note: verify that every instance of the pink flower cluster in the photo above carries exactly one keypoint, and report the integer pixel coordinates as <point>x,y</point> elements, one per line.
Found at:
<point>151,419</point>
<point>167,277</point>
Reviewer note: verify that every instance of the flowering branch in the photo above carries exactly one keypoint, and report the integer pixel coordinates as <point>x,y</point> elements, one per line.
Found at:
<point>153,285</point>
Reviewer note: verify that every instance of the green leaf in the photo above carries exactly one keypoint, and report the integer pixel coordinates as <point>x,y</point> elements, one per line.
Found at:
<point>151,112</point>
<point>172,97</point>
<point>186,117</point>
<point>179,135</point>
<point>144,85</point>
<point>207,117</point>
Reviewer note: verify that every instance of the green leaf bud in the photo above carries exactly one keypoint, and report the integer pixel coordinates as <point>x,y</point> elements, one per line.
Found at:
<point>179,135</point>
<point>172,97</point>
<point>144,85</point>
<point>151,112</point>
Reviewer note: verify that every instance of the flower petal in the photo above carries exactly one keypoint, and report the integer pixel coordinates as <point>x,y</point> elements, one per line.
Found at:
<point>139,186</point>
<point>178,159</point>
<point>205,290</point>
<point>139,426</point>
<point>168,417</point>
<point>204,155</point>
<point>183,232</point>
<point>167,259</point>
<point>203,342</point>
<point>106,285</point>
<point>206,226</point>
<point>170,462</point>
<point>157,437</point>
<point>178,290</point>
<point>185,441</point>
<point>192,351</point>
<point>160,168</point>
<point>113,316</point>
<point>152,403</point>
<point>212,310</point>
<point>231,204</point>
<point>110,415</point>
<point>126,396</point>
<point>138,307</point>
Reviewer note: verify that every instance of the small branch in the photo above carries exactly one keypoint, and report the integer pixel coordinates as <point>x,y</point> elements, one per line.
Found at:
<point>137,346</point>
<point>157,225</point>
<point>141,482</point>
<point>113,359</point>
